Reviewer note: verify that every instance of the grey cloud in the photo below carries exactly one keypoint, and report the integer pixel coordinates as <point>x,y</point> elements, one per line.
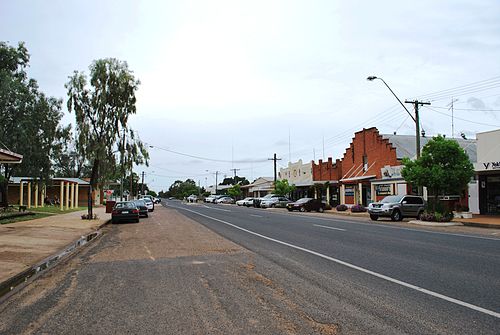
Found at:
<point>476,103</point>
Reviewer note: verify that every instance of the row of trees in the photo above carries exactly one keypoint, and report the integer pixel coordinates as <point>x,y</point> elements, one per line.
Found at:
<point>102,146</point>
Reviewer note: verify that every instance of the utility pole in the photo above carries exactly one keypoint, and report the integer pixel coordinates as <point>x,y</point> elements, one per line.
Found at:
<point>216,174</point>
<point>275,160</point>
<point>122,162</point>
<point>142,184</point>
<point>234,170</point>
<point>416,104</point>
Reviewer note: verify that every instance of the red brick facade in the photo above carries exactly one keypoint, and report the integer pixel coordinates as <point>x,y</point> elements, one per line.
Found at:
<point>327,171</point>
<point>368,148</point>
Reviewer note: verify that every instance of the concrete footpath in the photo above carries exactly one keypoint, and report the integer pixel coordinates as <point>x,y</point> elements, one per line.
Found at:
<point>26,244</point>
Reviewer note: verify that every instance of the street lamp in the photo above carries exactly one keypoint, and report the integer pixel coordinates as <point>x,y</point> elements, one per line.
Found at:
<point>414,118</point>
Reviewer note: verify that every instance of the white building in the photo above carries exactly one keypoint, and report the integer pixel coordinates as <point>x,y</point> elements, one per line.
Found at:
<point>488,173</point>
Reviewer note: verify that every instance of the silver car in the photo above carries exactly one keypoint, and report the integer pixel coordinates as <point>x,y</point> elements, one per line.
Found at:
<point>397,207</point>
<point>275,202</point>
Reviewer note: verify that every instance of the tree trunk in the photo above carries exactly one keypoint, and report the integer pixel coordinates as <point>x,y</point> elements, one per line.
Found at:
<point>93,182</point>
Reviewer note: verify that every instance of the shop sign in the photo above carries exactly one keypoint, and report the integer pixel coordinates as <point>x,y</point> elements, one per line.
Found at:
<point>392,172</point>
<point>491,165</point>
<point>349,191</point>
<point>383,189</point>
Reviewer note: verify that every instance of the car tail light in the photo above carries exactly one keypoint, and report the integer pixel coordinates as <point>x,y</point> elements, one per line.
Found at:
<point>114,212</point>
<point>135,211</point>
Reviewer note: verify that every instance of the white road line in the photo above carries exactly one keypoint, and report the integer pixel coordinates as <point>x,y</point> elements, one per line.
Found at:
<point>355,267</point>
<point>217,209</point>
<point>393,227</point>
<point>318,225</point>
<point>255,215</point>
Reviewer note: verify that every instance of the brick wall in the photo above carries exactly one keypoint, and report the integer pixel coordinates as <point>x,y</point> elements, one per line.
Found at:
<point>327,170</point>
<point>377,150</point>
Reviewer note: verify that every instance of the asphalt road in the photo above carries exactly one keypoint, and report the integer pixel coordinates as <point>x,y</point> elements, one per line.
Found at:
<point>215,269</point>
<point>424,281</point>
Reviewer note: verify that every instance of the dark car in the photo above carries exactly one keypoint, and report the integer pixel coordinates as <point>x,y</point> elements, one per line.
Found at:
<point>125,211</point>
<point>397,207</point>
<point>141,206</point>
<point>306,205</point>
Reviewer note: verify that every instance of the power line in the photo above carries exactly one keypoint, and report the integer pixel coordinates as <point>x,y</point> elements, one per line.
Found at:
<point>461,119</point>
<point>208,159</point>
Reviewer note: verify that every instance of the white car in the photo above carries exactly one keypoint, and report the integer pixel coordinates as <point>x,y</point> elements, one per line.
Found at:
<point>192,198</point>
<point>210,199</point>
<point>149,204</point>
<point>245,202</point>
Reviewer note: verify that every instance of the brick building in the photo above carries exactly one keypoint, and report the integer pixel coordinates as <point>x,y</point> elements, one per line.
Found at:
<point>327,175</point>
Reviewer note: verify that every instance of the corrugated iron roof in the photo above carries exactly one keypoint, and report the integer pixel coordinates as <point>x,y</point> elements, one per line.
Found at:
<point>406,147</point>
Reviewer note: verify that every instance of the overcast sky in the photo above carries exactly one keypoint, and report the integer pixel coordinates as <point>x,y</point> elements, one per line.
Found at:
<point>236,81</point>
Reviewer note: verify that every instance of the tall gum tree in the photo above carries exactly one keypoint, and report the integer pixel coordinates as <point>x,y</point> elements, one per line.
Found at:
<point>102,111</point>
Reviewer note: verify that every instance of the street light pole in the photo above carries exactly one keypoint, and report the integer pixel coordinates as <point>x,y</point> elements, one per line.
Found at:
<point>414,118</point>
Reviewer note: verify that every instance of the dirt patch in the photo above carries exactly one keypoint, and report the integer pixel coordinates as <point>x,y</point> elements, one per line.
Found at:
<point>165,234</point>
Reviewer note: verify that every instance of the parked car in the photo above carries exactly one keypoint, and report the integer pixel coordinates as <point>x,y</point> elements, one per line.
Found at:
<point>149,204</point>
<point>275,202</point>
<point>192,198</point>
<point>225,200</point>
<point>397,207</point>
<point>141,206</point>
<point>156,200</point>
<point>306,205</point>
<point>209,199</point>
<point>245,202</point>
<point>257,201</point>
<point>125,211</point>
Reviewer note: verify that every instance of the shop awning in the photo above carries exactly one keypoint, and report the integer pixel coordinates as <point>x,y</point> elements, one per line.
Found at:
<point>359,178</point>
<point>9,157</point>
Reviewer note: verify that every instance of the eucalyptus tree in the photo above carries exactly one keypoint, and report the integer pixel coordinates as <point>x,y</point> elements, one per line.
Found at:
<point>29,120</point>
<point>102,105</point>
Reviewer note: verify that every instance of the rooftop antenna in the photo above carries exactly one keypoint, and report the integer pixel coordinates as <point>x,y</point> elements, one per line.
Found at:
<point>452,124</point>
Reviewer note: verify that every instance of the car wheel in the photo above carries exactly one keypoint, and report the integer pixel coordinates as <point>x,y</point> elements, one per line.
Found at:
<point>373,217</point>
<point>147,215</point>
<point>289,209</point>
<point>321,209</point>
<point>396,215</point>
<point>273,206</point>
<point>419,215</point>
<point>302,209</point>
<point>137,220</point>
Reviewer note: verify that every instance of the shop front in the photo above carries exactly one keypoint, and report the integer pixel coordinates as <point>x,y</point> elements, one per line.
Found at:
<point>488,172</point>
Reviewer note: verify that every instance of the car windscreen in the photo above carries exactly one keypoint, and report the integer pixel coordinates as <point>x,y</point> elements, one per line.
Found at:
<point>392,199</point>
<point>303,200</point>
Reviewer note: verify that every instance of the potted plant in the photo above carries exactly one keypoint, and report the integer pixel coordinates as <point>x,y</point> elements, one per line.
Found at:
<point>462,212</point>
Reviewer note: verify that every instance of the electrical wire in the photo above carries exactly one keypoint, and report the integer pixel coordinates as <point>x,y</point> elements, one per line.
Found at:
<point>462,119</point>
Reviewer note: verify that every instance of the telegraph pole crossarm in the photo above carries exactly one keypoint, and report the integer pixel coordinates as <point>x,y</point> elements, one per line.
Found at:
<point>275,172</point>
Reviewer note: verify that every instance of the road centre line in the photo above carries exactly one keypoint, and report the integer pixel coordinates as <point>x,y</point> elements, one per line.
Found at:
<point>257,216</point>
<point>355,267</point>
<point>217,209</point>
<point>392,227</point>
<point>327,227</point>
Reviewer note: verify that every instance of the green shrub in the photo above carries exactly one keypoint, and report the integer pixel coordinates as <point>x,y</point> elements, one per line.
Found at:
<point>358,209</point>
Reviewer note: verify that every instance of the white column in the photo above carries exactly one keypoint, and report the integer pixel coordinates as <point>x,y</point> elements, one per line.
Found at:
<point>29,194</point>
<point>342,194</point>
<point>61,197</point>
<point>360,194</point>
<point>21,192</point>
<point>374,196</point>
<point>72,204</point>
<point>76,195</point>
<point>66,201</point>
<point>44,195</point>
<point>36,195</point>
<point>328,195</point>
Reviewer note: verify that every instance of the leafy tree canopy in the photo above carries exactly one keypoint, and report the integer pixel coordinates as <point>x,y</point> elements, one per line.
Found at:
<point>236,180</point>
<point>283,188</point>
<point>443,167</point>
<point>235,191</point>
<point>29,119</point>
<point>180,189</point>
<point>102,112</point>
